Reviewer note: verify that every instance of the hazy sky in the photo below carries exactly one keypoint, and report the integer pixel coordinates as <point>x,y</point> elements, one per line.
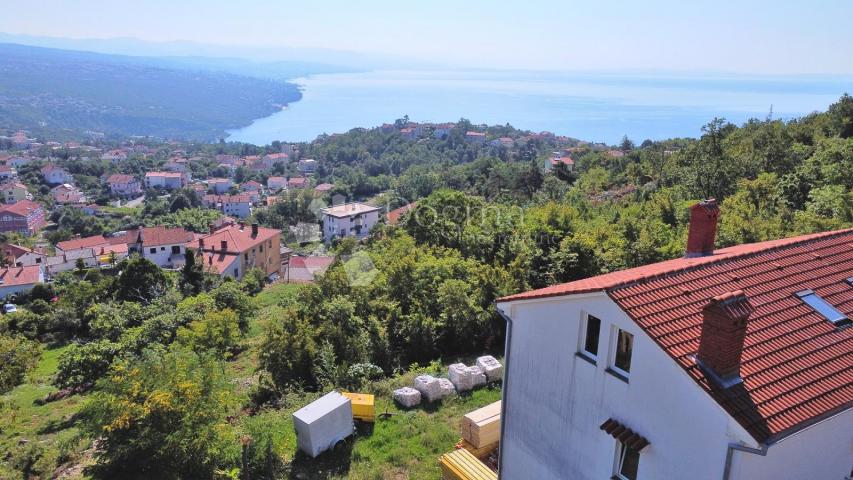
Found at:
<point>754,36</point>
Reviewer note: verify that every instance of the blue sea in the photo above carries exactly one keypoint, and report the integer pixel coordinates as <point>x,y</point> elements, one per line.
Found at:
<point>590,106</point>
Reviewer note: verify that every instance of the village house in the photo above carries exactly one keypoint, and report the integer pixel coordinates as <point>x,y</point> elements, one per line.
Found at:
<point>233,250</point>
<point>477,138</point>
<point>324,188</point>
<point>161,245</point>
<point>393,217</point>
<point>305,269</point>
<point>55,175</point>
<point>14,192</point>
<point>114,156</point>
<point>219,185</point>
<point>122,185</point>
<point>442,130</point>
<point>276,183</point>
<point>270,160</point>
<point>732,364</point>
<point>409,133</point>
<point>166,180</point>
<point>239,206</point>
<point>78,243</point>
<point>307,166</point>
<point>7,172</point>
<point>25,217</point>
<point>348,220</point>
<point>22,256</point>
<point>18,280</point>
<point>18,162</point>
<point>505,142</point>
<point>558,159</point>
<point>67,194</point>
<point>297,182</point>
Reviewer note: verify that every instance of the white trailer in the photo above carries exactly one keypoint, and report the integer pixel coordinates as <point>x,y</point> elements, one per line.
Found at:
<point>323,423</point>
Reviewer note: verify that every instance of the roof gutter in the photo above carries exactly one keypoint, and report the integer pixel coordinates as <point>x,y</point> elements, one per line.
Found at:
<point>504,386</point>
<point>727,471</point>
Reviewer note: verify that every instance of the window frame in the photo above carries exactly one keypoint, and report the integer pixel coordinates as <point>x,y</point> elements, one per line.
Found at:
<point>819,305</point>
<point>619,462</point>
<point>583,336</point>
<point>614,349</point>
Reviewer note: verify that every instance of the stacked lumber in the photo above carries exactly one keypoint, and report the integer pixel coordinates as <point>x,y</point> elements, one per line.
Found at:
<point>481,453</point>
<point>462,465</point>
<point>483,426</point>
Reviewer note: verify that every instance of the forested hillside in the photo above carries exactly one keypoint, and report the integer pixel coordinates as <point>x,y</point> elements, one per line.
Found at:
<point>48,90</point>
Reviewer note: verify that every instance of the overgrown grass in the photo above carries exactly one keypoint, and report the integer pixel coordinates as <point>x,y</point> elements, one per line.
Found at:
<point>38,436</point>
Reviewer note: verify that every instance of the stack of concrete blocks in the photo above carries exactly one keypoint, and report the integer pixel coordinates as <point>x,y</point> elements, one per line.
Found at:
<point>478,378</point>
<point>491,367</point>
<point>460,378</point>
<point>447,387</point>
<point>429,387</point>
<point>407,397</point>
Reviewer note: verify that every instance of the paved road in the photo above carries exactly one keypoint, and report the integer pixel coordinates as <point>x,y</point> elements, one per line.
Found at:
<point>135,202</point>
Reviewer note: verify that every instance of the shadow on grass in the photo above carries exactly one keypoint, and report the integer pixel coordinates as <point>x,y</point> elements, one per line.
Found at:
<point>334,462</point>
<point>54,426</point>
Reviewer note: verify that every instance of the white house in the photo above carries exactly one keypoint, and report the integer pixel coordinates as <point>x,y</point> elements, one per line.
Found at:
<point>349,220</point>
<point>166,180</point>
<point>220,185</point>
<point>114,156</point>
<point>162,245</point>
<point>275,184</point>
<point>56,175</point>
<point>124,185</point>
<point>7,172</point>
<point>731,364</point>
<point>239,206</point>
<point>307,166</point>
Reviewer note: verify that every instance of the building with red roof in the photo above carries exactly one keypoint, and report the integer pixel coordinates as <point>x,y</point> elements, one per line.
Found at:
<point>234,249</point>
<point>296,182</point>
<point>394,215</point>
<point>25,217</point>
<point>734,363</point>
<point>166,180</point>
<point>78,243</point>
<point>17,280</point>
<point>124,185</point>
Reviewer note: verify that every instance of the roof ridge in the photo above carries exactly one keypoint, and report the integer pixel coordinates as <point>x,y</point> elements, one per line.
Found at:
<point>736,256</point>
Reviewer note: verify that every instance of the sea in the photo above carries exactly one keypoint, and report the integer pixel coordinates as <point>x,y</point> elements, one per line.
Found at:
<point>598,107</point>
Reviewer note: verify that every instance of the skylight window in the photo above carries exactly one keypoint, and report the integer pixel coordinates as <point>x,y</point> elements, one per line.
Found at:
<point>823,307</point>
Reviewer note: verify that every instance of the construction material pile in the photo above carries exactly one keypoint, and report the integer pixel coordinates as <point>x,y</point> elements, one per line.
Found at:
<point>407,397</point>
<point>490,367</point>
<point>462,378</point>
<point>429,387</point>
<point>462,465</point>
<point>482,427</point>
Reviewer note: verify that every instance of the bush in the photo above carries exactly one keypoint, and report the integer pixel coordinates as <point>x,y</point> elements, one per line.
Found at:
<point>19,356</point>
<point>217,331</point>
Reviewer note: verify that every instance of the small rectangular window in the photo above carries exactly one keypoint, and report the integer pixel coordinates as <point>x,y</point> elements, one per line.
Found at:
<point>153,250</point>
<point>624,349</point>
<point>627,462</point>
<point>592,330</point>
<point>823,307</point>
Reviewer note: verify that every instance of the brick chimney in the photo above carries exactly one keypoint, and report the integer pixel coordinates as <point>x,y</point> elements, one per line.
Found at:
<point>254,230</point>
<point>201,244</point>
<point>703,228</point>
<point>724,322</point>
<point>224,245</point>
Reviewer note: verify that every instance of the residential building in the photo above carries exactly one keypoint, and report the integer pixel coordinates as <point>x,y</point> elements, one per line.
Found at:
<point>7,172</point>
<point>25,217</point>
<point>220,185</point>
<point>734,363</point>
<point>233,250</point>
<point>505,142</point>
<point>239,206</point>
<point>307,166</point>
<point>166,180</point>
<point>477,138</point>
<point>305,269</point>
<point>564,159</point>
<point>442,130</point>
<point>55,175</point>
<point>14,192</point>
<point>22,256</point>
<point>17,280</point>
<point>324,187</point>
<point>349,220</point>
<point>270,160</point>
<point>114,156</point>
<point>394,215</point>
<point>276,183</point>
<point>66,194</point>
<point>18,162</point>
<point>409,133</point>
<point>68,261</point>
<point>297,182</point>
<point>124,185</point>
<point>251,186</point>
<point>161,245</point>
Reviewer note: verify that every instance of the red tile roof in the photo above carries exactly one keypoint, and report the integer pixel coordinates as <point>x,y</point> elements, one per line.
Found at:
<point>161,235</point>
<point>239,238</point>
<point>23,208</point>
<point>797,367</point>
<point>86,242</point>
<point>120,178</point>
<point>20,275</point>
<point>394,215</point>
<point>564,159</point>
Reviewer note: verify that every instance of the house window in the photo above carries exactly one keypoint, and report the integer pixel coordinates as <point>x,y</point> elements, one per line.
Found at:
<point>591,331</point>
<point>262,248</point>
<point>162,249</point>
<point>236,272</point>
<point>623,350</point>
<point>246,256</point>
<point>627,462</point>
<point>176,249</point>
<point>153,250</point>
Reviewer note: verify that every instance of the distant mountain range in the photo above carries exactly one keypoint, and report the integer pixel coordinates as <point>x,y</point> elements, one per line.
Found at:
<point>172,97</point>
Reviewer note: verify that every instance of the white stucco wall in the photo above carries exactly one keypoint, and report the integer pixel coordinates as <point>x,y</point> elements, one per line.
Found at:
<point>161,256</point>
<point>332,226</point>
<point>821,451</point>
<point>556,401</point>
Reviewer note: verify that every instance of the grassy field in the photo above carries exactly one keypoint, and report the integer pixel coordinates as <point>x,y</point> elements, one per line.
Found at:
<point>36,437</point>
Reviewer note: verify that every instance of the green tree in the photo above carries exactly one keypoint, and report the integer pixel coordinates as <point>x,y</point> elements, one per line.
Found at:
<point>141,281</point>
<point>19,356</point>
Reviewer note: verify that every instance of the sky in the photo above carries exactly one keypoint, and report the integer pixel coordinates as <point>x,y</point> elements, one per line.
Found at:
<point>747,36</point>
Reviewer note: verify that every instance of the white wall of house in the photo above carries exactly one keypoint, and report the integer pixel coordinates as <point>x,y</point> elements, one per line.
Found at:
<point>337,227</point>
<point>162,255</point>
<point>237,209</point>
<point>11,290</point>
<point>823,450</point>
<point>556,401</point>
